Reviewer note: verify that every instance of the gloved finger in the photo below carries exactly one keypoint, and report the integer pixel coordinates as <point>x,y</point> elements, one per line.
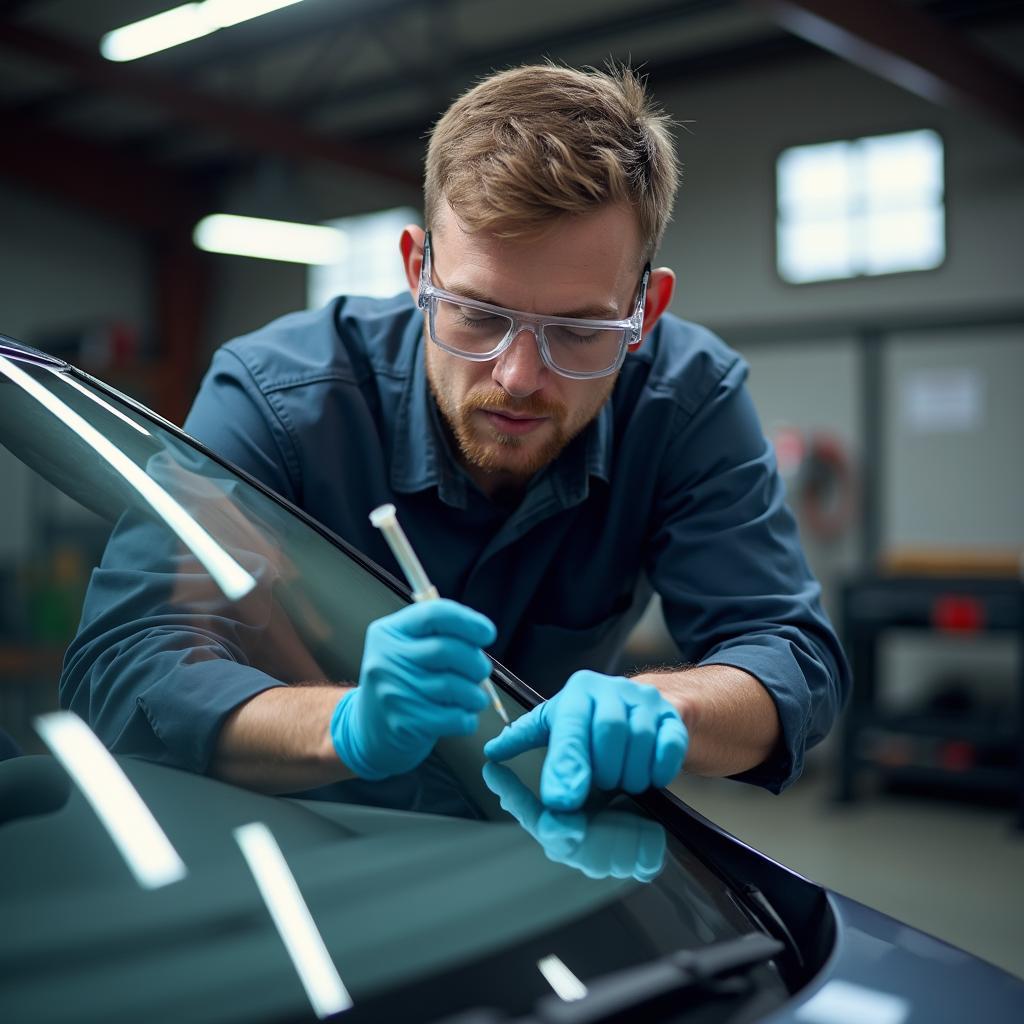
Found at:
<point>411,698</point>
<point>669,750</point>
<point>567,773</point>
<point>513,796</point>
<point>650,857</point>
<point>643,730</point>
<point>525,733</point>
<point>443,618</point>
<point>436,720</point>
<point>457,692</point>
<point>623,850</point>
<point>444,688</point>
<point>561,835</point>
<point>610,732</point>
<point>446,654</point>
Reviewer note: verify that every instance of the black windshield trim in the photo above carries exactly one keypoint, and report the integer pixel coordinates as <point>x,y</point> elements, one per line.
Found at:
<point>26,353</point>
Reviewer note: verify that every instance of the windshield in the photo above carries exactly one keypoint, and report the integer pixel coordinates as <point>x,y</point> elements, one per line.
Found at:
<point>198,580</point>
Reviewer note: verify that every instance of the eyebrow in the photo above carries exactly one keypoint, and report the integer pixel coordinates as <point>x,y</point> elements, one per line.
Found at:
<point>608,312</point>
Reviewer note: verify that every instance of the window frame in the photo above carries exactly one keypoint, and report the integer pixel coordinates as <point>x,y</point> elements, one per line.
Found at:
<point>858,275</point>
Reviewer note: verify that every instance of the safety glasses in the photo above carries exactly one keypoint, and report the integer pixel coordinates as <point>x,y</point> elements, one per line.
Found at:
<point>579,349</point>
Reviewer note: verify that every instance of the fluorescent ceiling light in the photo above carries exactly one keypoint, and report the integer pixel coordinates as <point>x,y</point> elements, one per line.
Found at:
<point>99,401</point>
<point>232,579</point>
<point>566,985</point>
<point>270,239</point>
<point>276,883</point>
<point>181,25</point>
<point>142,842</point>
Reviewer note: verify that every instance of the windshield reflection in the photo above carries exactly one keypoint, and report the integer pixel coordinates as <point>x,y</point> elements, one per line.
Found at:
<point>603,843</point>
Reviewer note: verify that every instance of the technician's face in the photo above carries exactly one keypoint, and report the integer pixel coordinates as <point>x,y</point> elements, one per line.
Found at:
<point>512,416</point>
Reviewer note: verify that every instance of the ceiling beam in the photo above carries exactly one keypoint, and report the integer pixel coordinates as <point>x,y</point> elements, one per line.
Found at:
<point>250,127</point>
<point>463,65</point>
<point>98,177</point>
<point>910,48</point>
<point>661,74</point>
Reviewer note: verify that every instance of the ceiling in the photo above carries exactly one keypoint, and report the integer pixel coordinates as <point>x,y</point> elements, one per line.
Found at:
<point>357,83</point>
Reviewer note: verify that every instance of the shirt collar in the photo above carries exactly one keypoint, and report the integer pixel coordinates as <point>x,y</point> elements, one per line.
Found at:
<point>421,457</point>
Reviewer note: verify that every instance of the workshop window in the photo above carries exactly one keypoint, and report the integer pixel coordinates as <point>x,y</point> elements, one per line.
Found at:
<point>868,206</point>
<point>371,265</point>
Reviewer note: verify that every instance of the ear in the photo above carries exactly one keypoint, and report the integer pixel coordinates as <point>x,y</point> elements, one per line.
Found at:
<point>411,245</point>
<point>660,287</point>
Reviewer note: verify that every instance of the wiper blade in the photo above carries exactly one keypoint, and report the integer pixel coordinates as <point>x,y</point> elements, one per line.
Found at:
<point>620,994</point>
<point>613,994</point>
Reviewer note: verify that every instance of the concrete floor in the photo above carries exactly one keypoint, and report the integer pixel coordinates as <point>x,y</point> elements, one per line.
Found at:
<point>951,869</point>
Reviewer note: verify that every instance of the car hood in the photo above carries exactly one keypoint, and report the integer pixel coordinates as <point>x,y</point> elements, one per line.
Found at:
<point>885,972</point>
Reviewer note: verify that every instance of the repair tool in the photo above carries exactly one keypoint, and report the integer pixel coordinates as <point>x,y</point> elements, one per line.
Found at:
<point>385,519</point>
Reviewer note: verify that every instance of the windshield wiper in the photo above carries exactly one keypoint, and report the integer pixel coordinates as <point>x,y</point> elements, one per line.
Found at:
<point>612,996</point>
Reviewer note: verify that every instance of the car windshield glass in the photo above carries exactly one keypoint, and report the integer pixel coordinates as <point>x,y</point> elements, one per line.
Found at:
<point>198,578</point>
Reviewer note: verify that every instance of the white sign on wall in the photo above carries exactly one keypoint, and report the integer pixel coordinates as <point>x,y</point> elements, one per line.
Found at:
<point>943,400</point>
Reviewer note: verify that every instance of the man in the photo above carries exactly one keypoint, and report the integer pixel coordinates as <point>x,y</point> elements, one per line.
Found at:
<point>556,445</point>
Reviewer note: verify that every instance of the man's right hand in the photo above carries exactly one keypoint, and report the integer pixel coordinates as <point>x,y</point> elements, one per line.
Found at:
<point>420,680</point>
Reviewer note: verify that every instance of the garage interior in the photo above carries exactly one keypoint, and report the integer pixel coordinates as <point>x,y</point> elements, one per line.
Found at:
<point>892,390</point>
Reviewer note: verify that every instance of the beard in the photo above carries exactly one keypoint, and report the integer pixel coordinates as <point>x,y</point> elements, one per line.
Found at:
<point>486,448</point>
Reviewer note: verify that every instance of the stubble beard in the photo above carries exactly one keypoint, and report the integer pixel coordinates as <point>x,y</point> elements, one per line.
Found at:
<point>491,451</point>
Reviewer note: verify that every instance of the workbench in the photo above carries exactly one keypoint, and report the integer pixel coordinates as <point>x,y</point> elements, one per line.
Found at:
<point>927,749</point>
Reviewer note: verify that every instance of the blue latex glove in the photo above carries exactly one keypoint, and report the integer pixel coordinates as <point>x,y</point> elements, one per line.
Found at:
<point>419,681</point>
<point>606,844</point>
<point>602,730</point>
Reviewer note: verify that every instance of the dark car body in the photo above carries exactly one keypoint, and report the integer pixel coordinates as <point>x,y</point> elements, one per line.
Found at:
<point>437,897</point>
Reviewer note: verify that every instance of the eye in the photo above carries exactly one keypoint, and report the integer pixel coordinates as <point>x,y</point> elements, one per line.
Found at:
<point>581,333</point>
<point>578,335</point>
<point>473,317</point>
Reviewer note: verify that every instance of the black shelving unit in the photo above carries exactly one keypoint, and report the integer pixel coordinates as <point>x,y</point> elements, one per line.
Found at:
<point>897,746</point>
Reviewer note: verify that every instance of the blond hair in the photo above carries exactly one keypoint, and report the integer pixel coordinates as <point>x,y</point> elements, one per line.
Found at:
<point>539,141</point>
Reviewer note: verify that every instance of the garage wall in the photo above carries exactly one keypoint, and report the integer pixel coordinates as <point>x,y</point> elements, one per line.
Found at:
<point>721,243</point>
<point>248,293</point>
<point>957,479</point>
<point>64,266</point>
<point>61,266</point>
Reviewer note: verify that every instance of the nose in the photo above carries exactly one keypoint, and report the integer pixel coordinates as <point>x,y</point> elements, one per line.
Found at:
<point>520,369</point>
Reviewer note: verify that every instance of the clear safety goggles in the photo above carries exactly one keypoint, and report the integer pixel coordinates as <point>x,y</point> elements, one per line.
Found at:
<point>579,349</point>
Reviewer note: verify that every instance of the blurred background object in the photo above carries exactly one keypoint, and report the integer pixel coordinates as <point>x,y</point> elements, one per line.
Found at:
<point>851,219</point>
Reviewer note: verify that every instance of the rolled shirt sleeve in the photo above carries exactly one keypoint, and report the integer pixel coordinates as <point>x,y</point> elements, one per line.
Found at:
<point>735,586</point>
<point>160,659</point>
<point>156,676</point>
<point>158,664</point>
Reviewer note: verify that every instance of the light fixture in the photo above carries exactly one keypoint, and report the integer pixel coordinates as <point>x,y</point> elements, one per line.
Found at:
<point>270,239</point>
<point>567,986</point>
<point>62,376</point>
<point>274,879</point>
<point>234,581</point>
<point>181,25</point>
<point>141,841</point>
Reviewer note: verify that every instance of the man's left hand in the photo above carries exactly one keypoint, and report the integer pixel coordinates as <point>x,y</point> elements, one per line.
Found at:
<point>600,730</point>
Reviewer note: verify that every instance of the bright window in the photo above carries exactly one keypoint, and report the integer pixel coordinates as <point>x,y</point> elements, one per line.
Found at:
<point>871,206</point>
<point>371,265</point>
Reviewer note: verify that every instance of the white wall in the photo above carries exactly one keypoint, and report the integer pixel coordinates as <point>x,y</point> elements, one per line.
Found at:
<point>721,243</point>
<point>965,489</point>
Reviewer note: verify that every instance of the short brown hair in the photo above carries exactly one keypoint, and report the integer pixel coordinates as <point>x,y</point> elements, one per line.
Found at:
<point>539,141</point>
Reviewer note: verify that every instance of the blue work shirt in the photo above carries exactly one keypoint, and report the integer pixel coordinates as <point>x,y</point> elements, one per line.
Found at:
<point>673,486</point>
